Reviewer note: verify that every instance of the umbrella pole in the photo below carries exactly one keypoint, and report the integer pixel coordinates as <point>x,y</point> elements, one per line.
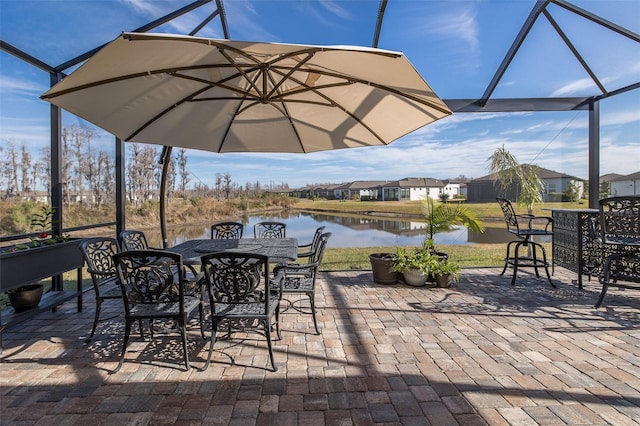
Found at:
<point>165,158</point>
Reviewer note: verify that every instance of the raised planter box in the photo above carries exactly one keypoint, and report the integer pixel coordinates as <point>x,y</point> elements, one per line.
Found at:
<point>24,267</point>
<point>34,264</point>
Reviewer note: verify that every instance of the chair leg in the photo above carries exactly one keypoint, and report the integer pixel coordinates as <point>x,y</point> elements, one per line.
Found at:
<point>267,333</point>
<point>95,320</point>
<point>125,343</point>
<point>516,259</point>
<point>506,258</point>
<point>534,257</point>
<point>183,333</point>
<point>277,323</point>
<point>313,311</point>
<point>546,266</point>
<point>214,327</point>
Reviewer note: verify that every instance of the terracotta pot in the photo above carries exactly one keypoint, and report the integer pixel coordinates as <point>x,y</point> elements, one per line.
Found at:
<point>415,277</point>
<point>382,268</point>
<point>25,297</point>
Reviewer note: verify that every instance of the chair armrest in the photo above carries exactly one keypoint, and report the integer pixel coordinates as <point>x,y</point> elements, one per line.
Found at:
<point>100,273</point>
<point>296,269</point>
<point>276,282</point>
<point>541,220</point>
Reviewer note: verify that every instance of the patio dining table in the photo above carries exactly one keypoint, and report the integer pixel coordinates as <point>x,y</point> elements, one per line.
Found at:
<point>278,250</point>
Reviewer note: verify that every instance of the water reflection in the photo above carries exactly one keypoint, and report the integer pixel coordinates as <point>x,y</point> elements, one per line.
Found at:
<point>348,231</point>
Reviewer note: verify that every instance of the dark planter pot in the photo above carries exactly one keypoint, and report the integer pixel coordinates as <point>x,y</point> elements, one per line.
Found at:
<point>25,297</point>
<point>444,281</point>
<point>441,257</point>
<point>23,267</point>
<point>382,268</point>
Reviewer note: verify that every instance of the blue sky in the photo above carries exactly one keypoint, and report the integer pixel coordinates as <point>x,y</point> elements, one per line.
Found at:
<point>456,45</point>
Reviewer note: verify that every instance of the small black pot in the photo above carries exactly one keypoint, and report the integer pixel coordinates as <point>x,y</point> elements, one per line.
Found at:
<point>25,297</point>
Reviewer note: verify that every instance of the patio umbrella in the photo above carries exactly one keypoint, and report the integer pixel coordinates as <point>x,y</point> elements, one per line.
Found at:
<point>236,96</point>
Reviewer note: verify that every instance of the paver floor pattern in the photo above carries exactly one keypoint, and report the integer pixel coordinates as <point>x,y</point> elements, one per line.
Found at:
<point>480,352</point>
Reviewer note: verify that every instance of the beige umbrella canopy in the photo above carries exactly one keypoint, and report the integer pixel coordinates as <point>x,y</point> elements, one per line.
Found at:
<point>233,96</point>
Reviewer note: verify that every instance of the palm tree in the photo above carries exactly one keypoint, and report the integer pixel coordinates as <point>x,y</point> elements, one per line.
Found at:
<point>506,171</point>
<point>442,217</point>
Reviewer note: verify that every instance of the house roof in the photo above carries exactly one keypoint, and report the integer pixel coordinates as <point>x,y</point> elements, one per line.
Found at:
<point>542,174</point>
<point>609,177</point>
<point>414,182</point>
<point>362,184</point>
<point>632,176</point>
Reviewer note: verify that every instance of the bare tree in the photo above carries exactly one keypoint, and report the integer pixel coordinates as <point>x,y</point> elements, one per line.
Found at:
<point>10,170</point>
<point>25,171</point>
<point>218,185</point>
<point>44,169</point>
<point>227,184</point>
<point>182,167</point>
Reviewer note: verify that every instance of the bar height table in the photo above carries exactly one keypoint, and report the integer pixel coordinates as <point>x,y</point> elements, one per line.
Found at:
<point>574,246</point>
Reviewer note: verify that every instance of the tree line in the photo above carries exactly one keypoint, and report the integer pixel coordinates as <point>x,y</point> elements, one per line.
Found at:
<point>88,173</point>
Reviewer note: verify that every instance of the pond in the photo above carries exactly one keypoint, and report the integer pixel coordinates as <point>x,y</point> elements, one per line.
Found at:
<point>349,231</point>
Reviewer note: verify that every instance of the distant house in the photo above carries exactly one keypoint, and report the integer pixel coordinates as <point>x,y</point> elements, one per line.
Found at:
<point>625,185</point>
<point>311,191</point>
<point>554,185</point>
<point>414,189</point>
<point>360,189</point>
<point>453,189</point>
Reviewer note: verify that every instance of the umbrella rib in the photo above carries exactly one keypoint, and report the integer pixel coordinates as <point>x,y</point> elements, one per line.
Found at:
<point>228,129</point>
<point>175,105</point>
<point>351,80</point>
<point>285,111</point>
<point>240,69</point>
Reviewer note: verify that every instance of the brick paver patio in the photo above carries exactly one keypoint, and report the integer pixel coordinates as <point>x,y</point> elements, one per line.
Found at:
<point>480,352</point>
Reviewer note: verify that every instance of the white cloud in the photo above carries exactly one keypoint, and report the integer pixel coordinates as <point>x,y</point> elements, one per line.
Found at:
<point>11,84</point>
<point>335,9</point>
<point>576,86</point>
<point>461,25</point>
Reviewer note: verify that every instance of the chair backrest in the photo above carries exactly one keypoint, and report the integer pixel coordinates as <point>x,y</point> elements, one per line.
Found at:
<point>322,244</point>
<point>316,238</point>
<point>619,218</point>
<point>270,230</point>
<point>150,277</point>
<point>133,240</point>
<point>98,254</point>
<point>509,213</point>
<point>226,231</point>
<point>237,278</point>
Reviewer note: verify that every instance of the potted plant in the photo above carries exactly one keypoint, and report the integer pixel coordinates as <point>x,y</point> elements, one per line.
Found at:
<point>382,268</point>
<point>413,264</point>
<point>442,217</point>
<point>444,271</point>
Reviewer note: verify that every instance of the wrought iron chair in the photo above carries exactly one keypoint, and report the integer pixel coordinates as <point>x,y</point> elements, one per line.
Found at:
<point>531,226</point>
<point>98,255</point>
<point>154,288</point>
<point>307,250</point>
<point>240,294</point>
<point>300,279</point>
<point>134,240</point>
<point>270,229</point>
<point>226,231</point>
<point>618,230</point>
